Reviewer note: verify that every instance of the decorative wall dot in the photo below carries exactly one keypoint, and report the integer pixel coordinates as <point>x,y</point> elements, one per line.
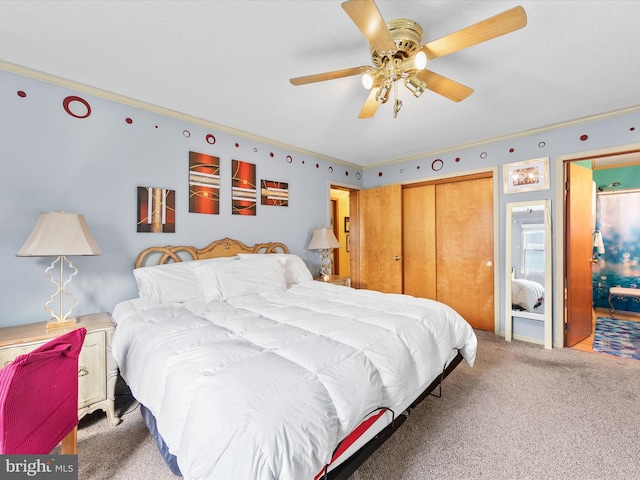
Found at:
<point>511,150</point>
<point>418,167</point>
<point>583,137</point>
<point>129,120</point>
<point>379,174</point>
<point>437,165</point>
<point>186,133</point>
<point>289,159</point>
<point>483,155</point>
<point>330,169</point>
<point>457,159</point>
<point>210,139</point>
<point>631,129</point>
<point>317,165</point>
<point>22,94</point>
<point>237,145</point>
<point>76,107</point>
<point>255,149</point>
<point>358,175</point>
<point>271,155</point>
<point>542,144</point>
<point>156,126</point>
<point>303,162</point>
<point>346,173</point>
<point>402,170</point>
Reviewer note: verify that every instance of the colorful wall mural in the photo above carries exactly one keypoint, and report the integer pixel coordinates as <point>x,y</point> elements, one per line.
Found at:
<point>618,221</point>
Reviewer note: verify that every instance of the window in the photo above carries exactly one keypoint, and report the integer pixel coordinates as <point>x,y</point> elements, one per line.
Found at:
<point>533,249</point>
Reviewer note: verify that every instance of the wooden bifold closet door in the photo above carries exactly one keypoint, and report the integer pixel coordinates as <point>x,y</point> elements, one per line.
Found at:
<point>448,246</point>
<point>445,243</point>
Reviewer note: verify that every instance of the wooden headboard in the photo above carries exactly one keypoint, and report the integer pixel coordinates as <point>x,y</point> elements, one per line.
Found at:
<point>226,247</point>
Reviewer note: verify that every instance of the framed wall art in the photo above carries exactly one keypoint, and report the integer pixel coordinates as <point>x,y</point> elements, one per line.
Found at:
<point>243,185</point>
<point>526,176</point>
<point>156,210</point>
<point>204,183</point>
<point>274,193</point>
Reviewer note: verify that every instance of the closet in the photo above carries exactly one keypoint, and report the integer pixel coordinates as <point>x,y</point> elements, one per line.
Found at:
<point>432,240</point>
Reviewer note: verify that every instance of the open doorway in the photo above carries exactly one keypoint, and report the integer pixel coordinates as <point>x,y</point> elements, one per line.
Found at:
<point>605,269</point>
<point>341,225</point>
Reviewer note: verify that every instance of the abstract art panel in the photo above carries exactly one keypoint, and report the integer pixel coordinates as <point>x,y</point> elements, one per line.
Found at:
<point>156,210</point>
<point>274,193</point>
<point>204,183</point>
<point>243,184</point>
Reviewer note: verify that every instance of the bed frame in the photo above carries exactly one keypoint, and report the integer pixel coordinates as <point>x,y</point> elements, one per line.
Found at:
<point>349,466</point>
<point>228,247</point>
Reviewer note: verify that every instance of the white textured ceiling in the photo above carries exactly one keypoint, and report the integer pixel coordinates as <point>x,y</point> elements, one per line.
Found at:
<point>229,62</point>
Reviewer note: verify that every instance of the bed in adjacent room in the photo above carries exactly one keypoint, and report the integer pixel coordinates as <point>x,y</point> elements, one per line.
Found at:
<point>248,368</point>
<point>527,295</point>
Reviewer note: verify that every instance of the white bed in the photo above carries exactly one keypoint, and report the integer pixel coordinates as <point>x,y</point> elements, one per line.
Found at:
<point>251,369</point>
<point>527,295</point>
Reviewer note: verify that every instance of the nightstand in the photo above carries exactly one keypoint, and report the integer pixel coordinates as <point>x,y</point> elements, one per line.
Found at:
<point>97,369</point>
<point>335,279</point>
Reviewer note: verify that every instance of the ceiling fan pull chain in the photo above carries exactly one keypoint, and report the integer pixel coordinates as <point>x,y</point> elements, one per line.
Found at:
<point>397,104</point>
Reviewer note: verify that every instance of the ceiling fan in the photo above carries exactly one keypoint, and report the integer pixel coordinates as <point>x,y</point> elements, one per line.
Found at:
<point>397,54</point>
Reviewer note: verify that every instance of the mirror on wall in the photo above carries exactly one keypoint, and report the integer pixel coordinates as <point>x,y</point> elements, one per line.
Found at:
<point>528,288</point>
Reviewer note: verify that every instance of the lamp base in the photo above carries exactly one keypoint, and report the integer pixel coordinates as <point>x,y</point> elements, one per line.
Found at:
<point>55,324</point>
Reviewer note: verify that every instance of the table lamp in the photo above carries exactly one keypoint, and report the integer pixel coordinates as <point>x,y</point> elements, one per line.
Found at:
<point>60,234</point>
<point>324,239</point>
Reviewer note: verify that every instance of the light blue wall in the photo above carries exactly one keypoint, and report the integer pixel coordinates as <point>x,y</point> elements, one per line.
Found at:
<point>53,161</point>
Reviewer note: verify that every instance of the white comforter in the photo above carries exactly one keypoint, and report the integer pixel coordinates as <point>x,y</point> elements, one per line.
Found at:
<point>265,386</point>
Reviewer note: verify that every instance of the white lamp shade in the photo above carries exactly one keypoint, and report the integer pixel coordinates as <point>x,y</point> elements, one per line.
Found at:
<point>323,238</point>
<point>60,233</point>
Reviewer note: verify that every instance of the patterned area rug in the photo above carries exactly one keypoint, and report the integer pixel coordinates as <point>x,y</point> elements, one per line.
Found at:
<point>617,337</point>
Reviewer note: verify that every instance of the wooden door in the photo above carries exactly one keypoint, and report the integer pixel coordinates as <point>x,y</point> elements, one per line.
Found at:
<point>380,239</point>
<point>419,240</point>
<point>464,258</point>
<point>578,250</point>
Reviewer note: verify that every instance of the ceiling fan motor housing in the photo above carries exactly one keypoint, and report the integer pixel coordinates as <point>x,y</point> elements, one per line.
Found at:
<point>407,36</point>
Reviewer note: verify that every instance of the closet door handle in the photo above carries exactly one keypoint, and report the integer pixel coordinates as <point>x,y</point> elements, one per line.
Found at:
<point>397,257</point>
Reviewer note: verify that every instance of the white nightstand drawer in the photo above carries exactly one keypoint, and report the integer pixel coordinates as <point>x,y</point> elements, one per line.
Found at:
<point>92,370</point>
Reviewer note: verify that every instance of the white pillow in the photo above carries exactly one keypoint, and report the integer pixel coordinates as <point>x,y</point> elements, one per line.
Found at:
<point>526,293</point>
<point>251,275</point>
<point>295,270</point>
<point>206,270</point>
<point>175,282</point>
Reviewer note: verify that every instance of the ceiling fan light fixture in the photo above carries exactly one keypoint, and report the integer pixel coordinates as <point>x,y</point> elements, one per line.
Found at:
<point>383,92</point>
<point>420,60</point>
<point>415,85</point>
<point>367,81</point>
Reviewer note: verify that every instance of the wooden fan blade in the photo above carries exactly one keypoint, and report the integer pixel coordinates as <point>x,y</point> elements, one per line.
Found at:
<point>444,86</point>
<point>371,105</point>
<point>505,22</point>
<point>366,16</point>
<point>321,77</point>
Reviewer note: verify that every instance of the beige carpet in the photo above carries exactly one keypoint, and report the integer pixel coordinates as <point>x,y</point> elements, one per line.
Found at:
<point>521,413</point>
